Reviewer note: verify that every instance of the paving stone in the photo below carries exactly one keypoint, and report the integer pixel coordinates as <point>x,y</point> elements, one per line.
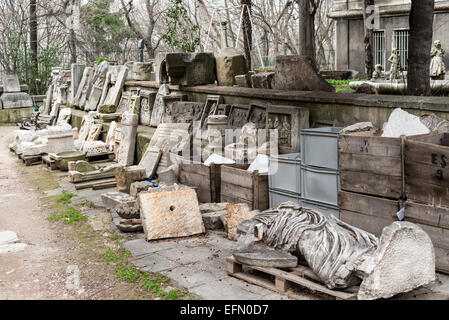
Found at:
<point>185,255</point>
<point>154,263</point>
<point>223,290</point>
<point>141,247</point>
<point>191,276</point>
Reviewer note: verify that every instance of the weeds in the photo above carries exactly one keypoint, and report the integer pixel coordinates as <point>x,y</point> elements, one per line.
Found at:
<point>127,273</point>
<point>70,216</point>
<point>65,198</point>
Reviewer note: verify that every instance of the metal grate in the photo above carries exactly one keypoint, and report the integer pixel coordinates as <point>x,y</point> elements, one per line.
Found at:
<point>400,42</point>
<point>379,48</point>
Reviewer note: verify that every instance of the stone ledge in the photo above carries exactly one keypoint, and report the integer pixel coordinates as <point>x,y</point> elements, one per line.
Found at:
<point>431,104</point>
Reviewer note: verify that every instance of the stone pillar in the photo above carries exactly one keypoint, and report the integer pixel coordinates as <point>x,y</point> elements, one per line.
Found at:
<point>127,148</point>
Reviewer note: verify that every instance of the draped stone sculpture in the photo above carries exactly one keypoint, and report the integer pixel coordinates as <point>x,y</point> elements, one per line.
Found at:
<point>341,255</point>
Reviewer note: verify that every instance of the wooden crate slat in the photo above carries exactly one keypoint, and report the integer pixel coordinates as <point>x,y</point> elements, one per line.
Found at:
<point>372,184</point>
<point>368,205</point>
<point>427,214</point>
<point>371,224</point>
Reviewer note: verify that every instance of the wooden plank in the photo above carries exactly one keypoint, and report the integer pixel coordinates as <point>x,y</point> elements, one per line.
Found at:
<point>368,205</point>
<point>387,166</point>
<point>236,191</point>
<point>199,181</point>
<point>427,214</point>
<point>432,138</point>
<point>425,153</point>
<point>371,224</point>
<point>372,184</point>
<point>442,260</point>
<point>369,145</point>
<point>102,186</point>
<point>195,168</point>
<point>237,177</point>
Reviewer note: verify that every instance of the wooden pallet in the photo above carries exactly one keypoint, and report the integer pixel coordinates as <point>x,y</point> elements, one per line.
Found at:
<point>283,280</point>
<point>97,184</point>
<point>49,163</point>
<point>31,160</point>
<point>100,158</point>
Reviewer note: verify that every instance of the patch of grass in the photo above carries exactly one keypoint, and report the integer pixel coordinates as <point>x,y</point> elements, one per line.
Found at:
<point>113,237</point>
<point>127,273</point>
<point>111,256</point>
<point>65,198</point>
<point>91,204</point>
<point>341,82</point>
<point>70,216</point>
<point>173,295</point>
<point>343,89</point>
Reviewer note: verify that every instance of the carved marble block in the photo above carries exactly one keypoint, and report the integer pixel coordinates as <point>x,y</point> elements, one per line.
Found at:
<point>147,99</point>
<point>127,148</point>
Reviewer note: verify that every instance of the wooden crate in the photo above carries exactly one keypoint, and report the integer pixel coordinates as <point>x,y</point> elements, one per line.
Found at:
<point>368,213</point>
<point>371,164</point>
<point>427,169</point>
<point>206,179</point>
<point>435,222</point>
<point>240,186</point>
<point>284,279</point>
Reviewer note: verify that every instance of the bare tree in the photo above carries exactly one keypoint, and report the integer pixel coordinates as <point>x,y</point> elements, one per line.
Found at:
<point>147,34</point>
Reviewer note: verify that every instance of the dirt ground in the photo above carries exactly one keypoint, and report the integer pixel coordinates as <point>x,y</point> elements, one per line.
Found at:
<point>61,261</point>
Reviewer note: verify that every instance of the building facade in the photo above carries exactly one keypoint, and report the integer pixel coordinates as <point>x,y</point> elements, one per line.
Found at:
<point>391,32</point>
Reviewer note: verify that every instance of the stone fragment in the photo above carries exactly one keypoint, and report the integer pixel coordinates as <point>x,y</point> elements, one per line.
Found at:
<point>404,261</point>
<point>141,186</point>
<point>82,171</point>
<point>140,71</point>
<point>125,211</point>
<point>82,88</point>
<point>170,214</point>
<point>125,176</point>
<point>236,214</point>
<point>366,88</point>
<point>189,69</point>
<point>11,83</point>
<point>263,80</point>
<point>113,199</point>
<point>150,160</point>
<point>107,108</point>
<point>94,98</point>
<point>115,92</point>
<point>60,140</point>
<point>147,99</point>
<point>230,63</point>
<point>167,177</point>
<point>267,259</point>
<point>77,72</point>
<point>16,100</point>
<point>127,148</point>
<point>243,81</point>
<point>296,73</point>
<point>129,225</point>
<point>214,220</point>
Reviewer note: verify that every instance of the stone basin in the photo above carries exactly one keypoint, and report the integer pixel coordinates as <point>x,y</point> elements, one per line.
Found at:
<point>62,159</point>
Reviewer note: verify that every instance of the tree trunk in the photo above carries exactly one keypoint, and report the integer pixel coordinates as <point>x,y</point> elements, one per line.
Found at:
<point>420,45</point>
<point>247,32</point>
<point>306,31</point>
<point>368,41</point>
<point>33,35</point>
